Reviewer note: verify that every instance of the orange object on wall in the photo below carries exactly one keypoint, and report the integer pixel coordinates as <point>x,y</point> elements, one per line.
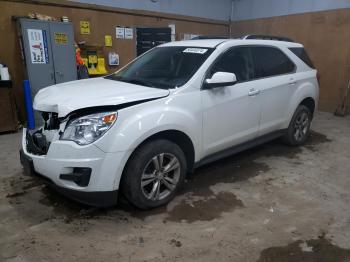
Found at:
<point>78,58</point>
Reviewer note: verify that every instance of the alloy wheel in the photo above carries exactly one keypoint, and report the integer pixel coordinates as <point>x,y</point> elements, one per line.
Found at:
<point>160,176</point>
<point>301,126</point>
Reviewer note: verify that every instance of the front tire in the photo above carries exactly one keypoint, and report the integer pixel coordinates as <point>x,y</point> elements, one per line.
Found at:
<point>153,174</point>
<point>299,127</point>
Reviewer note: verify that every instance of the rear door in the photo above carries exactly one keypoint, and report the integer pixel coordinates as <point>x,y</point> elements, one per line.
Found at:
<point>275,77</point>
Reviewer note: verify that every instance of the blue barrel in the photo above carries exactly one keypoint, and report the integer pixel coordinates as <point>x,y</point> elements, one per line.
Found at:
<point>28,104</point>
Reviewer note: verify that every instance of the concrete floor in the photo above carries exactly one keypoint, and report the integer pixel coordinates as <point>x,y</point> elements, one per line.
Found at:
<point>271,203</point>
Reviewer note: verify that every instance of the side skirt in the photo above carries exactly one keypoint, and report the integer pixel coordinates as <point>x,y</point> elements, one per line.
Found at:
<point>239,148</point>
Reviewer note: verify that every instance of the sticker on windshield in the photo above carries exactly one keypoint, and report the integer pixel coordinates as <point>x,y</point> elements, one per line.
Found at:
<point>195,50</point>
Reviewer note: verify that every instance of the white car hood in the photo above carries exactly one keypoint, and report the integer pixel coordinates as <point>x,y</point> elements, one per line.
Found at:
<point>67,97</point>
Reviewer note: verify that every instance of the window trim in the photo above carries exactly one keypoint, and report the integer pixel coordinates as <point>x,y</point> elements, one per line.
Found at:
<point>253,61</point>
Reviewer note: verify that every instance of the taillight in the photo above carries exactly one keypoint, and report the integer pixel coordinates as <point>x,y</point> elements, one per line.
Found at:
<point>318,76</point>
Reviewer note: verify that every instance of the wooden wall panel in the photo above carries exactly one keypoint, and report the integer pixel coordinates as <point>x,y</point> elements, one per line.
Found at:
<point>102,22</point>
<point>326,36</point>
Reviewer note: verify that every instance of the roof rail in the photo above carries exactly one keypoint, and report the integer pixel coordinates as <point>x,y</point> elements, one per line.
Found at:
<point>203,37</point>
<point>267,37</point>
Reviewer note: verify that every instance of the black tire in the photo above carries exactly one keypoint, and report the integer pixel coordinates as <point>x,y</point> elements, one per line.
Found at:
<point>142,161</point>
<point>292,137</point>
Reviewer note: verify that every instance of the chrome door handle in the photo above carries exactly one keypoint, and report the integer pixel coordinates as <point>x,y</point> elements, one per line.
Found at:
<point>292,83</point>
<point>253,92</point>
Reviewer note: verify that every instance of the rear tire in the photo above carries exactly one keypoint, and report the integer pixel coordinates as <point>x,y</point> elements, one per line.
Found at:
<point>153,174</point>
<point>299,127</point>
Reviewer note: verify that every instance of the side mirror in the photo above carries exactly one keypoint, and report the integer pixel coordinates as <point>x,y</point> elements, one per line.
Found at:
<point>220,79</point>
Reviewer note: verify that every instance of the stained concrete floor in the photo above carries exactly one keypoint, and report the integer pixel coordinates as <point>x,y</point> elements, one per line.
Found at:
<point>271,203</point>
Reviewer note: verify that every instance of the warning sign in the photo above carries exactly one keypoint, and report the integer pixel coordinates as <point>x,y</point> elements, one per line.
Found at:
<point>85,27</point>
<point>38,46</point>
<point>61,38</point>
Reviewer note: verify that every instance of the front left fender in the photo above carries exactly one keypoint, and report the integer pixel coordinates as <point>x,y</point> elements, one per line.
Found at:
<point>135,124</point>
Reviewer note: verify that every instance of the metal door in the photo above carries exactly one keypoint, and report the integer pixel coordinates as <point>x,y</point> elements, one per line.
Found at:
<point>37,52</point>
<point>63,51</point>
<point>147,38</point>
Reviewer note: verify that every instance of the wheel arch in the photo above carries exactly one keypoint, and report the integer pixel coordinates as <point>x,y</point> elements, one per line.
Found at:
<point>310,103</point>
<point>307,95</point>
<point>178,137</point>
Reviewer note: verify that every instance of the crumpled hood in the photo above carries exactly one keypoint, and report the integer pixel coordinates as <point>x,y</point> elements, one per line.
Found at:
<point>67,97</point>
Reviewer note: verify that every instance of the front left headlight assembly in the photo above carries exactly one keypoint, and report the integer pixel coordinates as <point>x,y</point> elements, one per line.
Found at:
<point>87,129</point>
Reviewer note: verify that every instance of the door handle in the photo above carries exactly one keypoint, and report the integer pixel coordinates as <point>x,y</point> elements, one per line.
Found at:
<point>253,92</point>
<point>292,82</point>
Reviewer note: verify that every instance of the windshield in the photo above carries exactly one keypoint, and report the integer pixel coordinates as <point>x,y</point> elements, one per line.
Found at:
<point>163,67</point>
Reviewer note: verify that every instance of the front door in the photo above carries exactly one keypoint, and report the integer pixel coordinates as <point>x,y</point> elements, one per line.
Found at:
<point>231,114</point>
<point>147,38</point>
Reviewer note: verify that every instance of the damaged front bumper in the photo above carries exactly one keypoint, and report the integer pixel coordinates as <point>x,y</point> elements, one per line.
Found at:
<point>83,173</point>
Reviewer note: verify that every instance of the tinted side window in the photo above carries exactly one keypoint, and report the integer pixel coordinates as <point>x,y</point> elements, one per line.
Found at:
<point>237,60</point>
<point>301,53</point>
<point>270,61</point>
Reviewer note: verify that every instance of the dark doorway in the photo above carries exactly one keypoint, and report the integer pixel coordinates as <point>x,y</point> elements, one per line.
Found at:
<point>148,38</point>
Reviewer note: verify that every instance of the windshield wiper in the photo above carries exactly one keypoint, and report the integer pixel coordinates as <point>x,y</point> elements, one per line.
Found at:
<point>134,81</point>
<point>137,82</point>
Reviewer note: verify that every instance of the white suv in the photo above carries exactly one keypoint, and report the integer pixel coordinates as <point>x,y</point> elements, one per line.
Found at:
<point>176,107</point>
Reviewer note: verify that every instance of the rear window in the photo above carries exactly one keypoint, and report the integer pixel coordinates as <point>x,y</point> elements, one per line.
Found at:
<point>270,61</point>
<point>301,53</point>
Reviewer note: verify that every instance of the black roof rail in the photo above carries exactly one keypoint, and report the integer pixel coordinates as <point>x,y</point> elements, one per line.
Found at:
<point>268,37</point>
<point>203,37</point>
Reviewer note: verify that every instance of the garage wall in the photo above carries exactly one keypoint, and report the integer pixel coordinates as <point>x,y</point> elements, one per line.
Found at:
<point>102,22</point>
<point>198,8</point>
<point>326,36</point>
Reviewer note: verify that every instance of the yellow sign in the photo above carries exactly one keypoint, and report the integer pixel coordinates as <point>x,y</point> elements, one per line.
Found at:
<point>85,27</point>
<point>92,59</point>
<point>61,38</point>
<point>108,40</point>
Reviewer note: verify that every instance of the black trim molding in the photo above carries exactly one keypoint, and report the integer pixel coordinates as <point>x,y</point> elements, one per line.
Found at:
<point>239,148</point>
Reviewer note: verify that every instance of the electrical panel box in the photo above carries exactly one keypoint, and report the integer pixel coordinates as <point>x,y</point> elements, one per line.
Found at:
<point>49,52</point>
